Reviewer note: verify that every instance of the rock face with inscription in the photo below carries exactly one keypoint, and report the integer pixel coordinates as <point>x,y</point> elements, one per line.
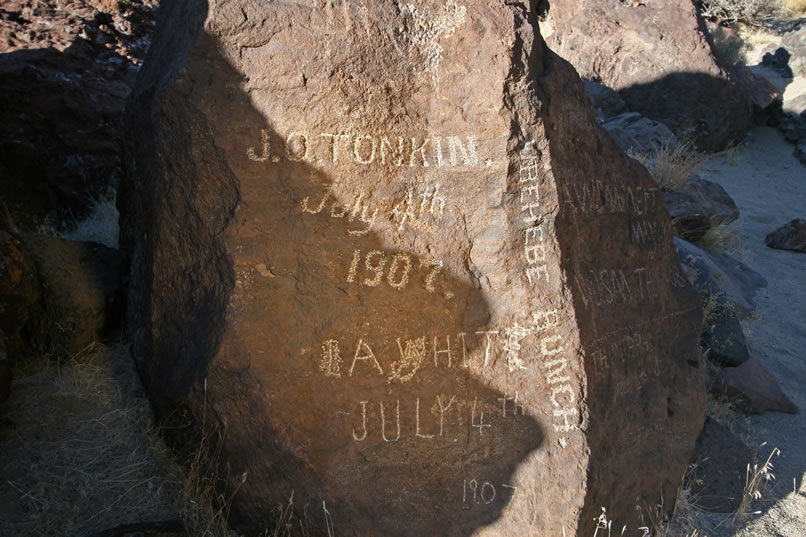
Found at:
<point>385,251</point>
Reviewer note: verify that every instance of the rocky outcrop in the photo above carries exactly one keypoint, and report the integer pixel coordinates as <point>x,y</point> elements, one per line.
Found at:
<point>657,55</point>
<point>790,236</point>
<point>387,253</point>
<point>65,71</point>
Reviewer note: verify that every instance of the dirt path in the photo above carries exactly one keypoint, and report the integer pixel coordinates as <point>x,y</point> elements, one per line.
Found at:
<point>769,187</point>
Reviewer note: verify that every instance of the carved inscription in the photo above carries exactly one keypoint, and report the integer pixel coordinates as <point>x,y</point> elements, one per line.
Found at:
<point>600,197</point>
<point>552,354</point>
<point>476,491</point>
<point>441,418</point>
<point>421,207</point>
<point>329,148</point>
<point>376,267</point>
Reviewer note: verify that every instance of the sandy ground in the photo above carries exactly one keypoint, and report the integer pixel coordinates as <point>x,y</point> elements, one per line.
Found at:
<point>769,187</point>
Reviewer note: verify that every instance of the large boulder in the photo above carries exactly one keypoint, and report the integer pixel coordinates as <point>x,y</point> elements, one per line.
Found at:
<point>386,253</point>
<point>658,56</point>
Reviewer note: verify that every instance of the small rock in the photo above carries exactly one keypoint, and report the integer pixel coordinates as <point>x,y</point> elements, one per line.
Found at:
<point>719,274</point>
<point>790,236</point>
<point>722,339</point>
<point>698,205</point>
<point>689,220</point>
<point>753,389</point>
<point>779,60</point>
<point>721,459</point>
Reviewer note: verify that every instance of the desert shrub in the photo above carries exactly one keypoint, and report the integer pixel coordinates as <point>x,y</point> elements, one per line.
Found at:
<point>752,12</point>
<point>727,46</point>
<point>670,165</point>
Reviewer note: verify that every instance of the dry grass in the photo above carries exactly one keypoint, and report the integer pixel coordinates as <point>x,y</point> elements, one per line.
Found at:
<point>751,12</point>
<point>795,7</point>
<point>81,454</point>
<point>727,46</point>
<point>757,478</point>
<point>670,166</point>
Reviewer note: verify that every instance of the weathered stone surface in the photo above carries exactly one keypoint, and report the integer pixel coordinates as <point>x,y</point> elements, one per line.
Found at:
<point>605,100</point>
<point>721,460</point>
<point>657,55</point>
<point>646,135</point>
<point>390,254</point>
<point>795,44</point>
<point>80,290</point>
<point>790,236</point>
<point>689,219</point>
<point>722,339</point>
<point>753,389</point>
<point>718,274</point>
<point>697,205</point>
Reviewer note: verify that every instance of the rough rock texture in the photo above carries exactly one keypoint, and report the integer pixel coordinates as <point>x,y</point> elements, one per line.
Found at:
<point>658,57</point>
<point>795,44</point>
<point>752,388</point>
<point>790,236</point>
<point>722,339</point>
<point>643,135</point>
<point>388,251</point>
<point>19,293</point>
<point>720,275</point>
<point>65,71</point>
<point>721,460</point>
<point>697,205</point>
<point>80,292</point>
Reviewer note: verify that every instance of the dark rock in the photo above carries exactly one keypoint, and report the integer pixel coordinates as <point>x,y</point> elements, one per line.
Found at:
<point>790,236</point>
<point>606,101</point>
<point>717,274</point>
<point>689,219</point>
<point>65,73</point>
<point>645,135</point>
<point>659,58</point>
<point>721,460</point>
<point>715,201</point>
<point>81,292</point>
<point>697,205</point>
<point>779,60</point>
<point>750,387</point>
<point>722,339</point>
<point>408,220</point>
<point>19,294</point>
